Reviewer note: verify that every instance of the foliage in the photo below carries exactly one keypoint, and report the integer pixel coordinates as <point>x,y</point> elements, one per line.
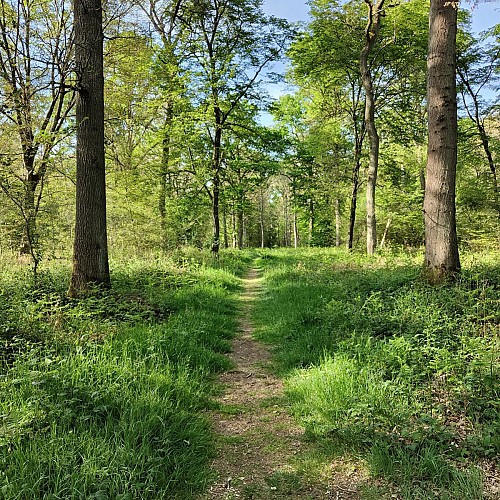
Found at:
<point>102,397</point>
<point>387,367</point>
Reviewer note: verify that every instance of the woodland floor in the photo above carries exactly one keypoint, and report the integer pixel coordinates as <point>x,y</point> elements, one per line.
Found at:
<point>262,453</point>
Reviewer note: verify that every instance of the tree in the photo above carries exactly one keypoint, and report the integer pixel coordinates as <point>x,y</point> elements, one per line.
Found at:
<point>372,29</point>
<point>36,88</point>
<point>90,257</point>
<point>478,67</point>
<point>326,63</point>
<point>163,16</point>
<point>231,43</point>
<point>442,260</point>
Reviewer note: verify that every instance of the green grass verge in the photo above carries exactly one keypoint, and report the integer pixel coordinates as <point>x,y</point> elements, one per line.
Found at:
<point>104,397</point>
<point>388,368</point>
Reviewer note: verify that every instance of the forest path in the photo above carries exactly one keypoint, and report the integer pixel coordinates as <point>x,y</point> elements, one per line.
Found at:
<point>262,453</point>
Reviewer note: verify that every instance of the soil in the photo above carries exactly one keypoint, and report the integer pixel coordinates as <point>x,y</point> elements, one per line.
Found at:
<point>262,452</point>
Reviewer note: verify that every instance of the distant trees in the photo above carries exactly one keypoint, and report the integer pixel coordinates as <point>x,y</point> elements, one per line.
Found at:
<point>479,71</point>
<point>231,43</point>
<point>359,69</point>
<point>37,97</point>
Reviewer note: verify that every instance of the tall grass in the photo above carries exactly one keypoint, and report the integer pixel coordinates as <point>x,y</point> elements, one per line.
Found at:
<point>402,374</point>
<point>104,397</point>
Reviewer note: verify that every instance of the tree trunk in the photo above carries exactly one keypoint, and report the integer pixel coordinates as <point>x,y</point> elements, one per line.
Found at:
<point>90,257</point>
<point>286,228</point>
<point>164,175</point>
<point>224,225</point>
<point>310,232</point>
<point>216,161</point>
<point>338,241</point>
<point>441,245</point>
<point>240,225</point>
<point>354,196</point>
<point>233,227</point>
<point>371,33</point>
<point>386,232</point>
<point>28,245</point>
<point>295,230</point>
<point>262,241</point>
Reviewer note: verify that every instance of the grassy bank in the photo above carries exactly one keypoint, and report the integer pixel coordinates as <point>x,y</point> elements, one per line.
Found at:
<point>103,398</point>
<point>381,367</point>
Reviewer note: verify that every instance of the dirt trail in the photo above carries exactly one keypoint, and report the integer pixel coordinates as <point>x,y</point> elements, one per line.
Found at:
<point>262,453</point>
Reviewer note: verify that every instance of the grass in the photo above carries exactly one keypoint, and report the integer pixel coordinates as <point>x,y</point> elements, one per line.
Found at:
<point>104,397</point>
<point>383,367</point>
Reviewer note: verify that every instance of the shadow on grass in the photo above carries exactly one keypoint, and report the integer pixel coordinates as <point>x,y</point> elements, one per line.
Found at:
<point>108,401</point>
<point>388,368</point>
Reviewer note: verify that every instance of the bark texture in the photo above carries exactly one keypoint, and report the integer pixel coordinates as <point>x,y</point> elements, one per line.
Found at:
<point>371,32</point>
<point>441,244</point>
<point>216,181</point>
<point>90,257</point>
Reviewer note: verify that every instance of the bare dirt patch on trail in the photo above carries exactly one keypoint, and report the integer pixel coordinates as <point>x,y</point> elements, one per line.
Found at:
<point>262,452</point>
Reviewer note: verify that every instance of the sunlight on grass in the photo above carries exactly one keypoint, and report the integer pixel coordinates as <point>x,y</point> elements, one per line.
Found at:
<point>103,397</point>
<point>388,369</point>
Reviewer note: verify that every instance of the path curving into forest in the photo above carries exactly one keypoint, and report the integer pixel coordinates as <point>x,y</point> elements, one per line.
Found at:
<point>262,452</point>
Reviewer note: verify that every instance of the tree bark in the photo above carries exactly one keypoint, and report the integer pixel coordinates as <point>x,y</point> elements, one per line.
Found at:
<point>90,257</point>
<point>338,241</point>
<point>359,135</point>
<point>216,163</point>
<point>354,197</point>
<point>441,244</point>
<point>371,33</point>
<point>164,174</point>
<point>310,228</point>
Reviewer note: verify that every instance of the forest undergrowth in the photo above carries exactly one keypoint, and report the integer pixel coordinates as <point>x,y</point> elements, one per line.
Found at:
<point>388,370</point>
<point>103,398</point>
<point>106,397</point>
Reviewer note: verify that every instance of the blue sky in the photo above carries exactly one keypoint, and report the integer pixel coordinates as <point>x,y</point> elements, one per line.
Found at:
<point>484,13</point>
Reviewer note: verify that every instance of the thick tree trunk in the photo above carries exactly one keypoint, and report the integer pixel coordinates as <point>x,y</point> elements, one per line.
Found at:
<point>371,33</point>
<point>90,258</point>
<point>441,244</point>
